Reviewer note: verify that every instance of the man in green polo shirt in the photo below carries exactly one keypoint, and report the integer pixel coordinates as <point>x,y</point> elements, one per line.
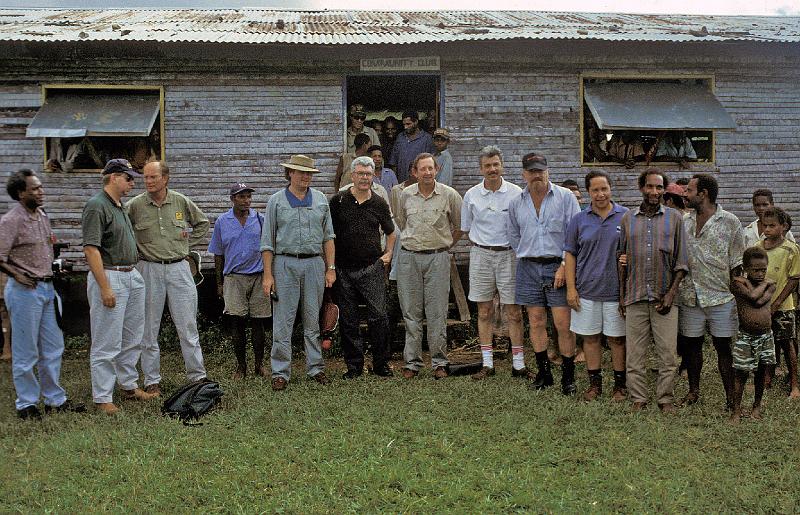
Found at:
<point>115,289</point>
<point>167,224</point>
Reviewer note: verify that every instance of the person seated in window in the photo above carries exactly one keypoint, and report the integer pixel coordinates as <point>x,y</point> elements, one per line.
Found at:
<point>676,145</point>
<point>626,146</point>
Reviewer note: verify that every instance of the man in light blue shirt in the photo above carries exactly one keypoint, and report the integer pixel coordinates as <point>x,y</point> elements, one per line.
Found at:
<point>538,221</point>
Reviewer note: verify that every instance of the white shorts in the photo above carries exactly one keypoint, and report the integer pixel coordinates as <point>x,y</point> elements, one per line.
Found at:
<point>492,271</point>
<point>722,320</point>
<point>597,317</point>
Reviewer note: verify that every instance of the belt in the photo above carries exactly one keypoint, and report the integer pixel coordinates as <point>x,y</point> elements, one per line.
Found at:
<point>124,268</point>
<point>431,251</point>
<point>166,261</point>
<point>43,279</point>
<point>301,256</point>
<point>490,247</point>
<point>542,260</point>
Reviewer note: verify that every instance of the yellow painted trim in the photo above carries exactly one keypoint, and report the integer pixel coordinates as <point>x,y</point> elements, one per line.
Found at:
<point>126,87</point>
<point>583,76</point>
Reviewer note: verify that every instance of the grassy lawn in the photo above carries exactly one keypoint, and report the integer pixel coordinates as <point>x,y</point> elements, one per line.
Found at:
<point>391,445</point>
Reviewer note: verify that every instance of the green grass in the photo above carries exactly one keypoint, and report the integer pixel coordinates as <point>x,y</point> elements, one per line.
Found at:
<point>392,445</point>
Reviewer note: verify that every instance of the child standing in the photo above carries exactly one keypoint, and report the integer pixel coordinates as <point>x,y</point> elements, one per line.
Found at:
<point>754,350</point>
<point>784,271</point>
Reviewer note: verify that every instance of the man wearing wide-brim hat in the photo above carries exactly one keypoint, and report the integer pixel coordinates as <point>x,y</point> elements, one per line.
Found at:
<point>298,252</point>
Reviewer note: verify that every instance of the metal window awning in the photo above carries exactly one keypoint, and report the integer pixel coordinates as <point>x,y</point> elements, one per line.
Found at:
<point>77,115</point>
<point>656,106</point>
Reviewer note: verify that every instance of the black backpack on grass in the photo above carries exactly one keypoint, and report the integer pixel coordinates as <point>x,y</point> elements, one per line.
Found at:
<point>193,400</point>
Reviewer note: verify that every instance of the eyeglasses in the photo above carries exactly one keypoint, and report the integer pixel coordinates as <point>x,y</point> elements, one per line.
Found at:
<point>359,117</point>
<point>363,175</point>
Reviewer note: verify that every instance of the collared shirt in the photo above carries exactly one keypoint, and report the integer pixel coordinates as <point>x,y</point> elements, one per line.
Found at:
<point>107,226</point>
<point>163,232</point>
<point>241,245</point>
<point>298,202</point>
<point>351,138</point>
<point>655,248</point>
<point>713,254</point>
<point>296,230</point>
<point>752,236</point>
<point>484,213</point>
<point>375,187</point>
<point>444,162</point>
<point>26,242</point>
<point>427,223</point>
<point>358,229</point>
<point>406,149</point>
<point>386,178</point>
<point>593,241</point>
<point>783,264</point>
<point>542,234</point>
<point>394,196</point>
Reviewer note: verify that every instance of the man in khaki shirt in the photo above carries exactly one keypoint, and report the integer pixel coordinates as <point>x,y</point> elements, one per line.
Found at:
<point>167,224</point>
<point>429,216</point>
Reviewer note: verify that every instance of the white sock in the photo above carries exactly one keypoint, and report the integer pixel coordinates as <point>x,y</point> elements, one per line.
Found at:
<point>486,352</point>
<point>518,357</point>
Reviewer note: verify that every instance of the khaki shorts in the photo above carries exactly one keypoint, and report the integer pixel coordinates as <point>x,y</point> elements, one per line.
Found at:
<point>492,271</point>
<point>244,296</point>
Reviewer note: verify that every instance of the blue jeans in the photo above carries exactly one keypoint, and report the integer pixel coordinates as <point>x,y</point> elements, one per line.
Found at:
<point>37,342</point>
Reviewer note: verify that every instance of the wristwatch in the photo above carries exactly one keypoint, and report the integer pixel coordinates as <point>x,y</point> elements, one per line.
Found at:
<point>331,267</point>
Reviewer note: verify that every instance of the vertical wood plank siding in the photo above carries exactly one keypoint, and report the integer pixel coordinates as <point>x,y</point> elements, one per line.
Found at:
<point>223,125</point>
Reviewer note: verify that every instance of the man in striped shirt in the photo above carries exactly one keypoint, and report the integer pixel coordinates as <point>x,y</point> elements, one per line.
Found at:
<point>652,239</point>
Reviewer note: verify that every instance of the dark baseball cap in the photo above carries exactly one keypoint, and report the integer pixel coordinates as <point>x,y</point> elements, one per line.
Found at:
<point>534,161</point>
<point>240,187</point>
<point>120,166</point>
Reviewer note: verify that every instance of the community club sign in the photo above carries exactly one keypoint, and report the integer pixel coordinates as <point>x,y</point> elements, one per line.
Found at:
<point>398,64</point>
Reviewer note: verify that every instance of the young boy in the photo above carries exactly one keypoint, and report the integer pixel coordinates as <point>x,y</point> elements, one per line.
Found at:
<point>784,271</point>
<point>754,350</point>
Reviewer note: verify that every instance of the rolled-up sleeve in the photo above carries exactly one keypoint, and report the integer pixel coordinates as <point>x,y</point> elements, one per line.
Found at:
<point>466,214</point>
<point>455,210</point>
<point>513,225</point>
<point>327,224</point>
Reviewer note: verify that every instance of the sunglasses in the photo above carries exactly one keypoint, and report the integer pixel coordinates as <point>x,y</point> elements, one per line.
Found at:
<point>359,117</point>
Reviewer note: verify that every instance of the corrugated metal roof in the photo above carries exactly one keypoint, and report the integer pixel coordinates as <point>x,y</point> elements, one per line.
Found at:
<point>369,27</point>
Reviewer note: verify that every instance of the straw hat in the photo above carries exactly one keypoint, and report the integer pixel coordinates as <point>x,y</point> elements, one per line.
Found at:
<point>300,162</point>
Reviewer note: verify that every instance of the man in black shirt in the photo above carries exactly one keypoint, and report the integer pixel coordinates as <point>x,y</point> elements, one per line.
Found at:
<point>358,215</point>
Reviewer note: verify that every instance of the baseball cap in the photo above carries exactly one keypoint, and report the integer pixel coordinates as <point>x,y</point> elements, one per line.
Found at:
<point>120,166</point>
<point>534,161</point>
<point>441,133</point>
<point>676,189</point>
<point>240,187</point>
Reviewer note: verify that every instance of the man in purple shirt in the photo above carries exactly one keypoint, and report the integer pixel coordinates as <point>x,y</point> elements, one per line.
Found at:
<point>408,145</point>
<point>653,242</point>
<point>26,255</point>
<point>236,245</point>
<point>593,285</point>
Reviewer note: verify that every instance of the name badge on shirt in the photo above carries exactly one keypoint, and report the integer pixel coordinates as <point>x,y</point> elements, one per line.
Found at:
<point>178,215</point>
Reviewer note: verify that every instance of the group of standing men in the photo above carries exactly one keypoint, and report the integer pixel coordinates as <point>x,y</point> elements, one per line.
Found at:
<point>604,271</point>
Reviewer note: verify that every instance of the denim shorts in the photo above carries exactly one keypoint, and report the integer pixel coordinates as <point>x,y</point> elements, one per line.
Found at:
<point>535,285</point>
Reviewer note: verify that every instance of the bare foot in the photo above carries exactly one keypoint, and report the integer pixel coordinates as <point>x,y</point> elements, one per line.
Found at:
<point>795,393</point>
<point>736,417</point>
<point>756,413</point>
<point>580,357</point>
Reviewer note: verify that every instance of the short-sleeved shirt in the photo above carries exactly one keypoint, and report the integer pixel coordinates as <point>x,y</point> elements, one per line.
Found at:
<point>351,138</point>
<point>26,242</point>
<point>387,179</point>
<point>752,236</point>
<point>444,161</point>
<point>712,255</point>
<point>406,149</point>
<point>427,223</point>
<point>241,245</point>
<point>296,230</point>
<point>784,264</point>
<point>163,232</point>
<point>484,213</point>
<point>106,226</point>
<point>357,227</point>
<point>655,247</point>
<point>541,234</point>
<point>593,241</point>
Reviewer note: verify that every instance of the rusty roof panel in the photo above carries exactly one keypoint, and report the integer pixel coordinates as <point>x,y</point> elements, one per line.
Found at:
<point>386,27</point>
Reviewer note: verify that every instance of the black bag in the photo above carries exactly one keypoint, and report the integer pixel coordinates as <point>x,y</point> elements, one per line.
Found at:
<point>193,400</point>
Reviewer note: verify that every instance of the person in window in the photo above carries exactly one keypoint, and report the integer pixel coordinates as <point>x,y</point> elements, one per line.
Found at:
<point>356,118</point>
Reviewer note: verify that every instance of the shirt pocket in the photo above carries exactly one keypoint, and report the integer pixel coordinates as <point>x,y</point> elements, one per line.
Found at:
<point>436,218</point>
<point>146,232</point>
<point>179,230</point>
<point>555,226</point>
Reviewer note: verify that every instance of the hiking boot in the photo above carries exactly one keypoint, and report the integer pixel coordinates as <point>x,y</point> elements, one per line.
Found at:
<point>483,373</point>
<point>568,386</point>
<point>595,388</point>
<point>321,378</point>
<point>383,371</point>
<point>29,413</point>
<point>351,374</point>
<point>409,374</point>
<point>154,389</point>
<point>279,383</point>
<point>68,406</point>
<point>524,373</point>
<point>619,394</point>
<point>137,394</point>
<point>440,373</point>
<point>542,380</point>
<point>689,399</point>
<point>109,408</point>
